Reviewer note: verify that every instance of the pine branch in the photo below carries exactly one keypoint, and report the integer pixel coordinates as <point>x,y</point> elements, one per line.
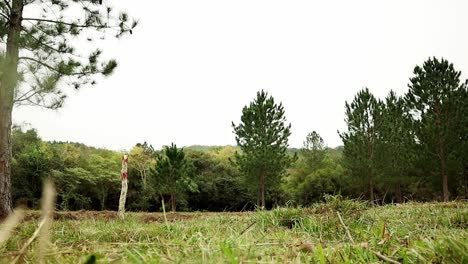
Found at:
<point>5,16</point>
<point>48,46</point>
<point>65,23</point>
<point>7,4</point>
<point>39,62</point>
<point>26,96</point>
<point>52,68</point>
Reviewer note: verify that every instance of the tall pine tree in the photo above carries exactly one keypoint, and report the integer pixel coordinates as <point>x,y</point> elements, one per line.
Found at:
<point>434,104</point>
<point>362,117</point>
<point>263,136</point>
<point>395,147</point>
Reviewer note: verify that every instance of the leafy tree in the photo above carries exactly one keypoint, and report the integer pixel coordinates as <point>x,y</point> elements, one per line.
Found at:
<point>142,160</point>
<point>220,185</point>
<point>72,186</point>
<point>362,116</point>
<point>313,150</point>
<point>314,174</point>
<point>40,59</point>
<point>142,194</point>
<point>432,100</point>
<point>30,165</point>
<point>105,175</point>
<point>171,174</point>
<point>262,136</point>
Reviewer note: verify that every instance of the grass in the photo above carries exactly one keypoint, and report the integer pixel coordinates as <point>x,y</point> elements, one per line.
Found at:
<point>407,233</point>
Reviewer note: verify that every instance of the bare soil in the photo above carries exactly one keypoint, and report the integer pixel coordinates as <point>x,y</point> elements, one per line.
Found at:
<point>112,215</point>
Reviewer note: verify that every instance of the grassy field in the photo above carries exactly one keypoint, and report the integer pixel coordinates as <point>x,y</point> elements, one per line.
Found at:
<point>407,233</point>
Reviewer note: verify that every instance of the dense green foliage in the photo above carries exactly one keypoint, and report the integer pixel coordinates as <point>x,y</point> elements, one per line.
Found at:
<point>85,177</point>
<point>412,147</point>
<point>314,174</point>
<point>89,178</point>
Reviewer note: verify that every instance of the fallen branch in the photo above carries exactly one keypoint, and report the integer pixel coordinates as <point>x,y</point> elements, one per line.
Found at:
<point>345,227</point>
<point>385,258</point>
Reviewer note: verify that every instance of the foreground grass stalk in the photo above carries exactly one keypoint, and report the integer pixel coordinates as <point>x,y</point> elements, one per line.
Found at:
<point>9,225</point>
<point>42,231</point>
<point>164,213</point>
<point>345,227</point>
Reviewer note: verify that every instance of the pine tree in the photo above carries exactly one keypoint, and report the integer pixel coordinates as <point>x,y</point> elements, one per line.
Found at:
<point>432,100</point>
<point>40,60</point>
<point>171,174</point>
<point>263,136</point>
<point>362,117</point>
<point>396,143</point>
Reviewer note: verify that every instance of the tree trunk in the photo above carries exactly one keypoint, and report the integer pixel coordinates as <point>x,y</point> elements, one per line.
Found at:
<point>371,190</point>
<point>443,171</point>
<point>173,205</point>
<point>7,90</point>
<point>444,181</point>
<point>262,191</point>
<point>5,155</point>
<point>399,196</point>
<point>465,176</point>
<point>103,199</point>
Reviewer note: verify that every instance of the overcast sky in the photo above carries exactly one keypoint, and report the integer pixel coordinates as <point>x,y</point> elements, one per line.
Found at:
<point>190,67</point>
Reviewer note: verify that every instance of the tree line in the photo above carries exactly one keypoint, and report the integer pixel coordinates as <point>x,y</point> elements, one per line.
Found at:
<point>402,147</point>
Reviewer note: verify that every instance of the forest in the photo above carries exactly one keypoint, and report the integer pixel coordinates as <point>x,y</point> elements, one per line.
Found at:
<point>410,147</point>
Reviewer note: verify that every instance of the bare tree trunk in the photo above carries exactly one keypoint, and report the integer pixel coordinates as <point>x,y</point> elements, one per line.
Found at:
<point>7,90</point>
<point>123,192</point>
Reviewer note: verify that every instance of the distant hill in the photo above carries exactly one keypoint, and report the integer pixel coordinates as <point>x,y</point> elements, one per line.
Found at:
<point>204,148</point>
<point>335,153</point>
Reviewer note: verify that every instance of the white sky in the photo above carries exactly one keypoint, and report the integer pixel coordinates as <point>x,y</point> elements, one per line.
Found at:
<point>191,66</point>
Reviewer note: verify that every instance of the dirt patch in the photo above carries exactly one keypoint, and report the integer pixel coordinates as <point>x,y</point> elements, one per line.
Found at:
<point>156,217</point>
<point>79,215</point>
<point>112,215</point>
<point>171,217</point>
